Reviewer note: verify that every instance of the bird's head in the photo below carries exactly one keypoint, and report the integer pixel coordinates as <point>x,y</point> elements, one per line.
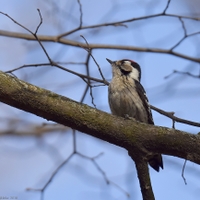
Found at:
<point>126,67</point>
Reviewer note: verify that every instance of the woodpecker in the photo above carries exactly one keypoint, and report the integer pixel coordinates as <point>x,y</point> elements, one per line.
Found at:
<point>127,97</point>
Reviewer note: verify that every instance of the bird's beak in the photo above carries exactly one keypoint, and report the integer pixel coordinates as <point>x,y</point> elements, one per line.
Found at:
<point>110,61</point>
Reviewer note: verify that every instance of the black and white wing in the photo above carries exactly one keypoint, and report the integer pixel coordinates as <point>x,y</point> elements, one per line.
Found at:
<point>142,94</point>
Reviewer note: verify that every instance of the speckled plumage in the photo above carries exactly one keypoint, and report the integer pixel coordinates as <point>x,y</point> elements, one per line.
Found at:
<point>123,100</point>
<point>127,97</point>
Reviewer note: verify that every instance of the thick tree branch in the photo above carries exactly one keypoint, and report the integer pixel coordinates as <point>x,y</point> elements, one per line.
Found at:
<point>143,175</point>
<point>125,133</point>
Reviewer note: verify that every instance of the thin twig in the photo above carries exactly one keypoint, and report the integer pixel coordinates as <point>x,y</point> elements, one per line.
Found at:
<point>184,34</point>
<point>91,94</point>
<point>82,76</point>
<point>177,119</point>
<point>185,73</point>
<point>32,33</point>
<point>183,26</point>
<point>93,160</point>
<point>81,13</point>
<point>88,49</point>
<point>53,175</point>
<point>183,171</point>
<point>74,141</point>
<point>167,6</point>
<point>41,20</point>
<point>88,74</point>
<point>173,123</point>
<point>122,22</point>
<point>84,93</point>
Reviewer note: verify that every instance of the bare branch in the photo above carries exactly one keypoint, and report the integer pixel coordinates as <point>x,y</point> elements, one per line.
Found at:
<point>41,20</point>
<point>74,141</point>
<point>183,26</point>
<point>185,73</point>
<point>184,34</point>
<point>75,152</point>
<point>16,22</point>
<point>81,13</point>
<point>33,130</point>
<point>183,171</point>
<point>52,176</point>
<point>34,34</point>
<point>82,76</point>
<point>97,46</point>
<point>122,23</point>
<point>174,118</point>
<point>89,51</point>
<point>167,6</point>
<point>89,86</point>
<point>93,160</point>
<point>143,175</point>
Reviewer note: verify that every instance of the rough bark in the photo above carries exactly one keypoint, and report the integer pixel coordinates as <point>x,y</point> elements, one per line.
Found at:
<point>125,133</point>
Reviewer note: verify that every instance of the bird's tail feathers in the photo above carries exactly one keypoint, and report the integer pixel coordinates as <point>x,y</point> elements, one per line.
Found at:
<point>156,162</point>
